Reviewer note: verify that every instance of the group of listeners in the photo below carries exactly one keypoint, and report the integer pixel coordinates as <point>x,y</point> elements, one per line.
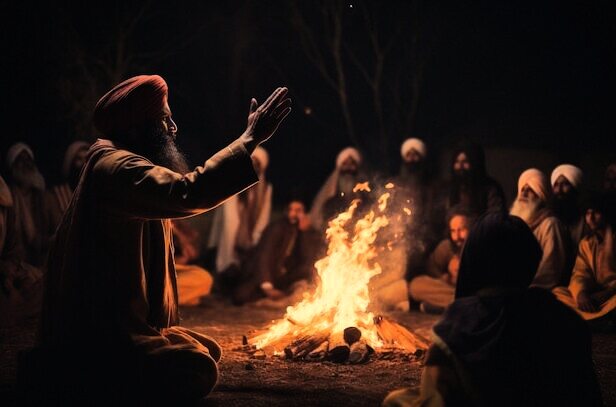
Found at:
<point>112,290</point>
<point>272,262</point>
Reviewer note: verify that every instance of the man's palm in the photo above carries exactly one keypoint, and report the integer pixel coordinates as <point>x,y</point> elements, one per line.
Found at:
<point>264,120</point>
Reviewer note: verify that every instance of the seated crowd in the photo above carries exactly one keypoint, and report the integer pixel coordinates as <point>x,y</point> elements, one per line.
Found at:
<point>248,255</point>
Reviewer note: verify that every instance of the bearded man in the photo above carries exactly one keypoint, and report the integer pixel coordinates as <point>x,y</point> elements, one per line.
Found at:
<point>336,192</point>
<point>435,291</point>
<point>592,289</point>
<point>533,206</point>
<point>111,298</point>
<point>566,180</point>
<point>58,197</point>
<point>28,187</point>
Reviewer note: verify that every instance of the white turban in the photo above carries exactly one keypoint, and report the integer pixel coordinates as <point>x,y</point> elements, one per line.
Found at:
<point>537,181</point>
<point>572,173</point>
<point>346,153</point>
<point>69,156</point>
<point>261,155</point>
<point>15,150</point>
<point>413,144</point>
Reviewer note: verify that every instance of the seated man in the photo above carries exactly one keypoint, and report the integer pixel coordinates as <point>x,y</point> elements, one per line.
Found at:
<point>194,281</point>
<point>111,297</point>
<point>283,263</point>
<point>566,182</point>
<point>592,290</point>
<point>21,285</point>
<point>501,343</point>
<point>436,291</point>
<point>533,206</point>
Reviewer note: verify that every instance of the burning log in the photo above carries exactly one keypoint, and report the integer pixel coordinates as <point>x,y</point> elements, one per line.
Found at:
<point>395,334</point>
<point>351,335</point>
<point>319,353</point>
<point>359,352</point>
<point>339,350</point>
<point>303,346</point>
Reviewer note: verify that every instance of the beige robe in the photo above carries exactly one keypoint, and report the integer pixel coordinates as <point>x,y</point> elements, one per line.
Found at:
<point>592,272</point>
<point>553,239</point>
<point>226,224</point>
<point>111,276</point>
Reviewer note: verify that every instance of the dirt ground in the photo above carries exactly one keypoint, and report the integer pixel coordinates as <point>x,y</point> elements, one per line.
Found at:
<point>275,382</point>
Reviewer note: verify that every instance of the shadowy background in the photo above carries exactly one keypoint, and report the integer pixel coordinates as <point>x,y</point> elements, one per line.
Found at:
<point>531,81</point>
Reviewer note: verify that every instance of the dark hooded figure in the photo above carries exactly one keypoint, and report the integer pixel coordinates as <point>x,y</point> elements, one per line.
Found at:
<point>501,343</point>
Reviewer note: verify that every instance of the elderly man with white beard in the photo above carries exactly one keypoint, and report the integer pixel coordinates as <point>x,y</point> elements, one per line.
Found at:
<point>533,206</point>
<point>28,187</point>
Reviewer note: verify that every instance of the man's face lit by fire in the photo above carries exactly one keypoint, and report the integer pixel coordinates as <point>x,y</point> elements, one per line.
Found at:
<point>562,188</point>
<point>594,219</point>
<point>295,212</point>
<point>528,195</point>
<point>461,164</point>
<point>458,230</point>
<point>167,123</point>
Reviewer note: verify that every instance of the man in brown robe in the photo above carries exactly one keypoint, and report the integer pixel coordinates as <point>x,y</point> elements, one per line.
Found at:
<point>111,295</point>
<point>283,262</point>
<point>28,188</point>
<point>436,290</point>
<point>533,206</point>
<point>58,197</point>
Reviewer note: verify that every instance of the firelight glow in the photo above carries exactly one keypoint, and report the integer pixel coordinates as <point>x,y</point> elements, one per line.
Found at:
<point>341,297</point>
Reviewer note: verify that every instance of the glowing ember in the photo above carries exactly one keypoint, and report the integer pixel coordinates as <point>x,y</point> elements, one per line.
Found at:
<point>407,211</point>
<point>389,185</point>
<point>363,186</point>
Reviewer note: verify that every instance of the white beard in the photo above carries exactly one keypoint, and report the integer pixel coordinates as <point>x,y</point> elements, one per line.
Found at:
<point>526,210</point>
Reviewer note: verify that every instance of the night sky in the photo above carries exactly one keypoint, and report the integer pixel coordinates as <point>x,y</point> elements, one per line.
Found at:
<point>507,74</point>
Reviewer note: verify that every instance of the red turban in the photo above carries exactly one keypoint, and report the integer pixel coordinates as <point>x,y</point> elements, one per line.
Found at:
<point>130,103</point>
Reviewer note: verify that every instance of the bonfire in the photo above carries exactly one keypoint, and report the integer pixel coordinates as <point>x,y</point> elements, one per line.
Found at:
<point>333,322</point>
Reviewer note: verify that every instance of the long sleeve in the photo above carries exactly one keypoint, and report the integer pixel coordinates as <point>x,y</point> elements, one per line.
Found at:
<point>582,277</point>
<point>134,187</point>
<point>551,235</point>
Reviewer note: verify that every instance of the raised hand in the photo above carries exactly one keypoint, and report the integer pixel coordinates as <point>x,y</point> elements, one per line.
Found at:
<point>264,120</point>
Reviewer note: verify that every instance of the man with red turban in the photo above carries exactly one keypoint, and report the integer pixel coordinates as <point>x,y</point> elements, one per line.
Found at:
<point>111,295</point>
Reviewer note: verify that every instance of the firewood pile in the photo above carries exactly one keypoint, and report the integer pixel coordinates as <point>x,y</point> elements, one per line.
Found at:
<point>312,345</point>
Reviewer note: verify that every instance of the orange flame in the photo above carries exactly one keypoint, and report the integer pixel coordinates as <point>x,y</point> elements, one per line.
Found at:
<point>341,298</point>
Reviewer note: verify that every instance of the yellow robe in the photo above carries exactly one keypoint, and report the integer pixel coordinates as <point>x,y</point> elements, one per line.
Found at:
<point>592,272</point>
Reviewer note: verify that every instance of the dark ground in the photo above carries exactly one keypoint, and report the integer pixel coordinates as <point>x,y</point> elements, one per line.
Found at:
<point>275,382</point>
